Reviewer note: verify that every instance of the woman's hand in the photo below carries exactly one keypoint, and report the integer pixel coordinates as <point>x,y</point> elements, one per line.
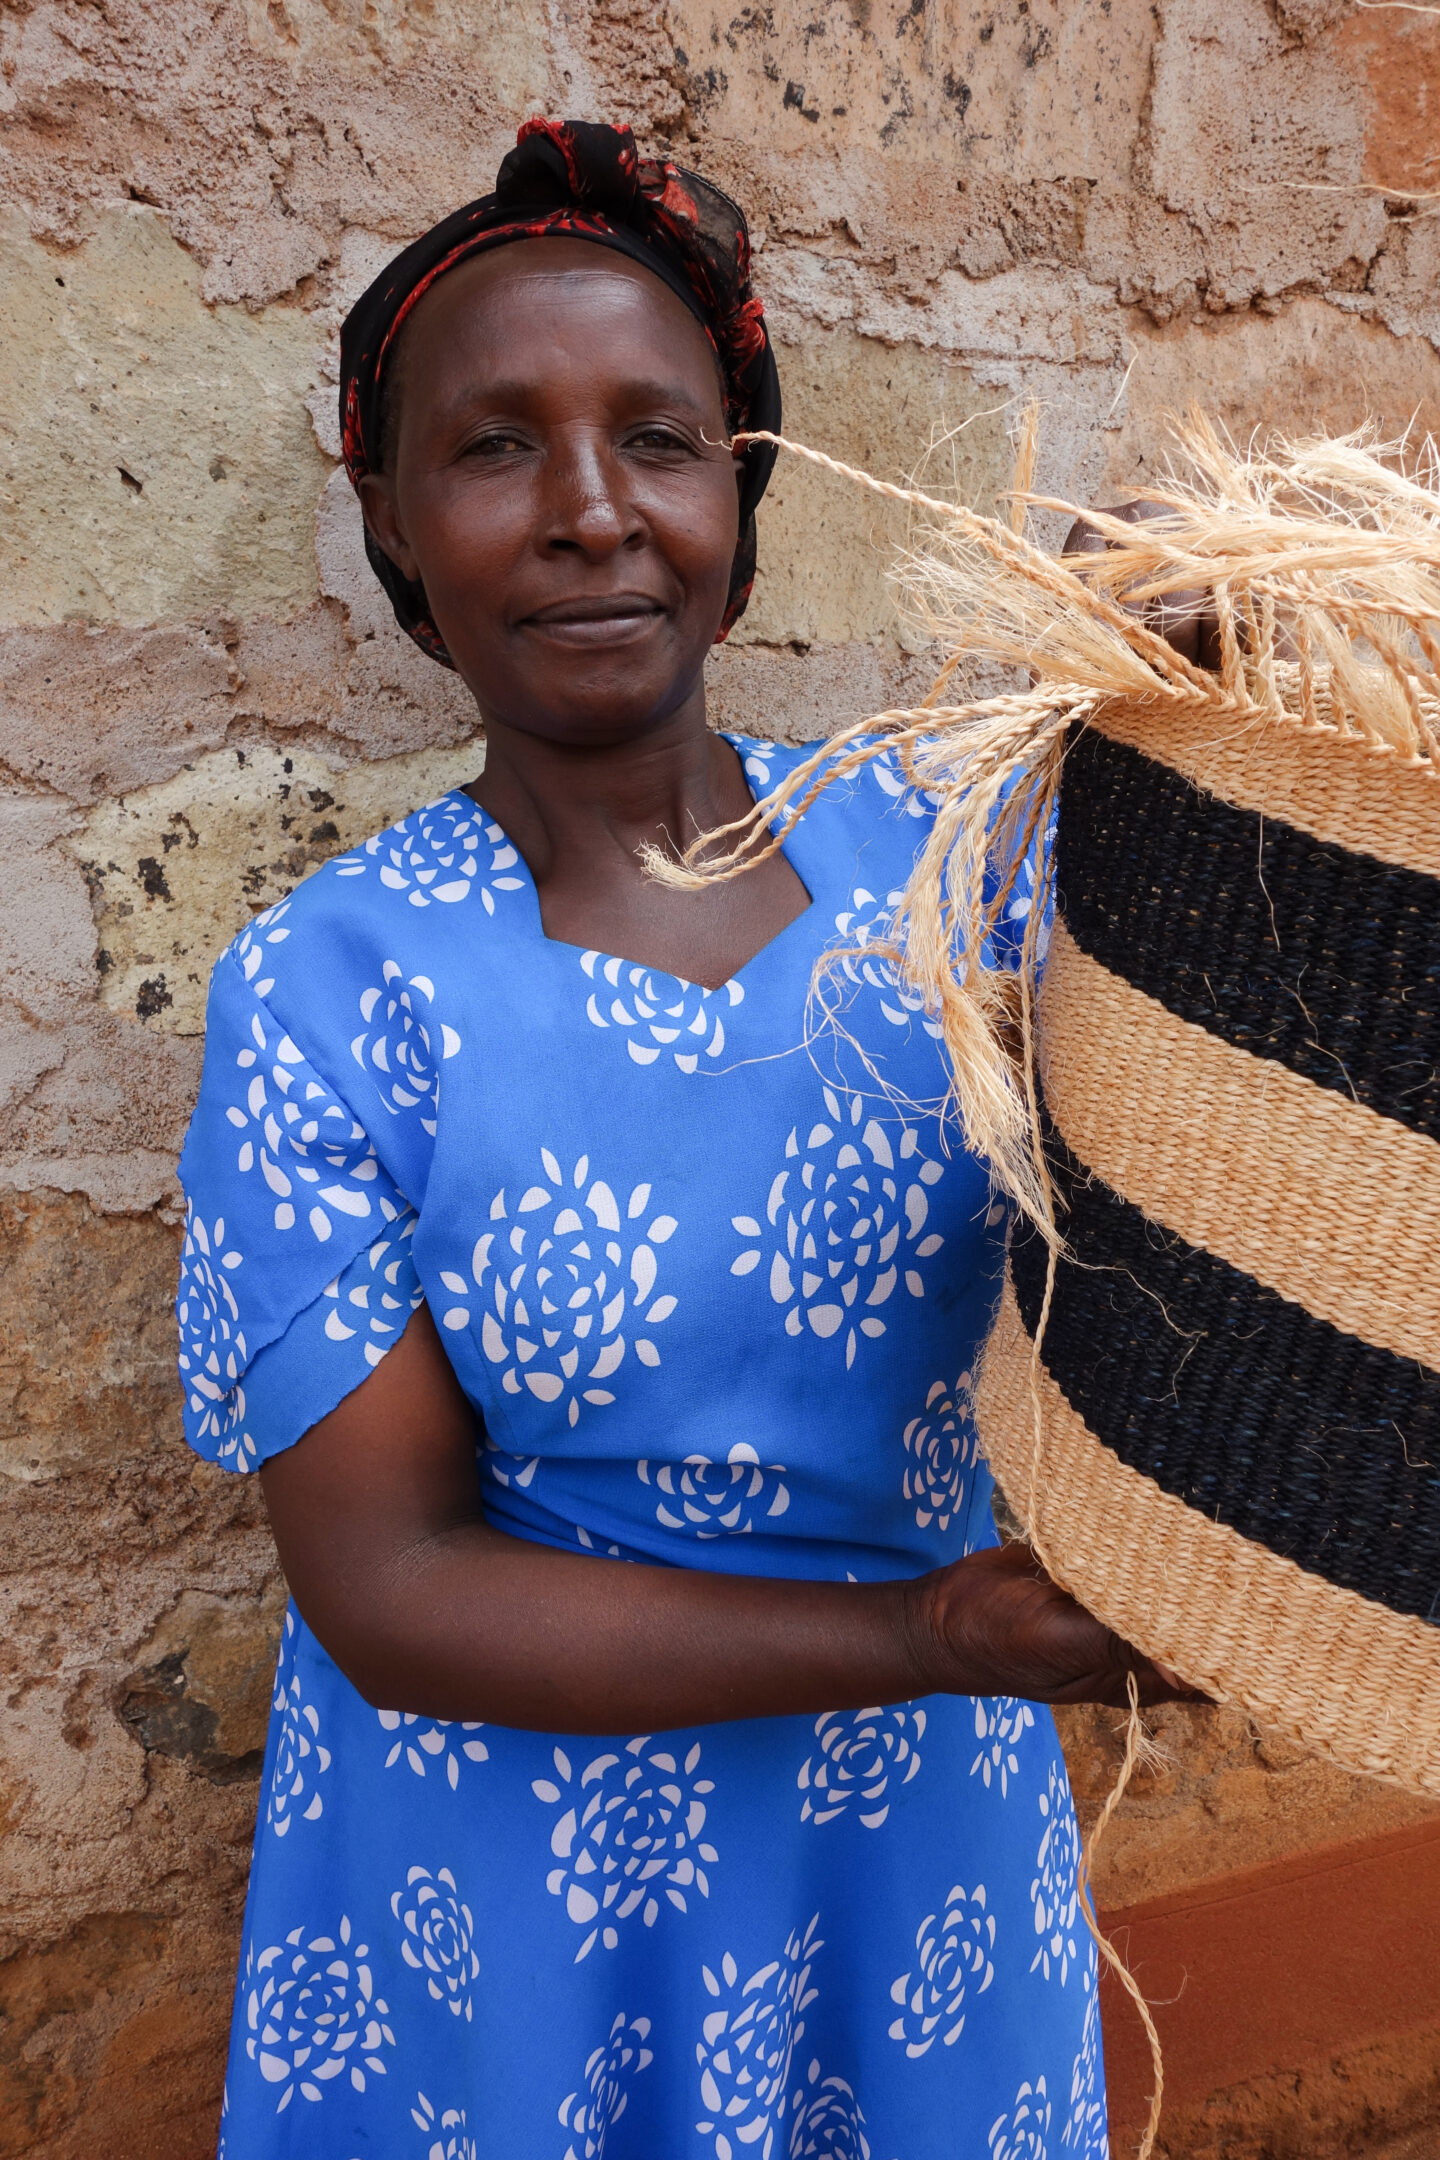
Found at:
<point>1185,619</point>
<point>996,1624</point>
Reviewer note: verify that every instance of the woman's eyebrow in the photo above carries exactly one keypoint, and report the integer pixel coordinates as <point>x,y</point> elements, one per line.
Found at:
<point>517,395</point>
<point>666,393</point>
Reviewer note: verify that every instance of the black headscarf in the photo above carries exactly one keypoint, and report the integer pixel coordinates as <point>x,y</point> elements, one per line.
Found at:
<point>585,182</point>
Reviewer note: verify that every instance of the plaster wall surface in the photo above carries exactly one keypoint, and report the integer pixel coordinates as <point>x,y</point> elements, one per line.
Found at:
<point>1116,207</point>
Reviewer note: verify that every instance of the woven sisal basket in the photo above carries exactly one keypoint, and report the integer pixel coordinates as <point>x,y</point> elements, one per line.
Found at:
<point>1212,1394</point>
<point>1238,1037</point>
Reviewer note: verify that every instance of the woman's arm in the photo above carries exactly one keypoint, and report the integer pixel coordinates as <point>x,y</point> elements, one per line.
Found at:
<point>377,1513</point>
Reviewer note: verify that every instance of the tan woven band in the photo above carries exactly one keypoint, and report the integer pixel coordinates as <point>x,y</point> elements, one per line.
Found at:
<point>1315,1195</point>
<point>1333,786</point>
<point>1335,1671</point>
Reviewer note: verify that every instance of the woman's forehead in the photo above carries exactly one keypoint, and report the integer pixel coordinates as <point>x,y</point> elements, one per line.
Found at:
<point>485,300</point>
<point>535,310</point>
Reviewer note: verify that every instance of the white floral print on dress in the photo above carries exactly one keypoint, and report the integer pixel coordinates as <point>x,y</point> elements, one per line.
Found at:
<point>213,1352</point>
<point>435,854</point>
<point>300,1760</point>
<point>942,1448</point>
<point>439,1937</point>
<point>382,1306</point>
<point>889,776</point>
<point>1021,2133</point>
<point>454,2141</point>
<point>713,1499</point>
<point>758,759</point>
<point>557,1288</point>
<point>826,2122</point>
<point>312,2014</point>
<point>269,928</point>
<point>953,1962</point>
<point>1054,1892</point>
<point>296,1134</point>
<point>1001,1723</point>
<point>865,956</point>
<point>439,1741</point>
<point>747,2045</point>
<point>864,1758</point>
<point>610,2070</point>
<point>867,921</point>
<point>515,1472</point>
<point>1085,2124</point>
<point>845,1225</point>
<point>404,1043</point>
<point>660,1015</point>
<point>590,1544</point>
<point>630,1835</point>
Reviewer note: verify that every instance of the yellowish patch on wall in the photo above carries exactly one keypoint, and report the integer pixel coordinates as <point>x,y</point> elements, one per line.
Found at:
<point>823,546</point>
<point>1310,370</point>
<point>176,870</point>
<point>159,461</point>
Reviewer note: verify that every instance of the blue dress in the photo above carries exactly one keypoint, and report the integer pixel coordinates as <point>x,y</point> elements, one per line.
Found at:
<point>712,1275</point>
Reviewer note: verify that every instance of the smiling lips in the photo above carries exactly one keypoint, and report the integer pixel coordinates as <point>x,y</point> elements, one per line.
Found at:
<point>597,619</point>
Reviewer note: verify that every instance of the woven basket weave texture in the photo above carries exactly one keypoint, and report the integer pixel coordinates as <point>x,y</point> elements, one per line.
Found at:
<point>1238,1461</point>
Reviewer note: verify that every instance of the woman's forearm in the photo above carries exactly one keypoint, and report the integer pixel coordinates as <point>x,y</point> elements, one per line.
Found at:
<point>473,1624</point>
<point>378,1515</point>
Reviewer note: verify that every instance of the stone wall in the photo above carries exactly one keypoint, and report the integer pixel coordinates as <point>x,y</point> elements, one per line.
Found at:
<point>1114,205</point>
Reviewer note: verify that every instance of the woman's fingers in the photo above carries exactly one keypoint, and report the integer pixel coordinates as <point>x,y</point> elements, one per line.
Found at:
<point>1186,619</point>
<point>1004,1627</point>
<point>1154,1682</point>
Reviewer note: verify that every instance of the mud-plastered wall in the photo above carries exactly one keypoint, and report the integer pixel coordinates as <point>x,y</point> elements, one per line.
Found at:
<point>1112,205</point>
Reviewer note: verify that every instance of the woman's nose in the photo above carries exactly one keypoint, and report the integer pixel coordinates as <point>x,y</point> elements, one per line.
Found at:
<point>587,501</point>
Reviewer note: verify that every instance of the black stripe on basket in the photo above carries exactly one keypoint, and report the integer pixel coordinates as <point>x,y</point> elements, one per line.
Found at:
<point>1245,1406</point>
<point>1286,946</point>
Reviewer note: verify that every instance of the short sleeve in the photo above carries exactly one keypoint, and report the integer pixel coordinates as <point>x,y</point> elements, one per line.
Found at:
<point>296,1272</point>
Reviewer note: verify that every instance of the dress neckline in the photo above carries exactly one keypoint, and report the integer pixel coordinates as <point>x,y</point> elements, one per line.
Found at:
<point>531,891</point>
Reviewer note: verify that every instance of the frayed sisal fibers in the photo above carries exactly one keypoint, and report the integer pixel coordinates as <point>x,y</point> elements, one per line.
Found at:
<point>1212,1393</point>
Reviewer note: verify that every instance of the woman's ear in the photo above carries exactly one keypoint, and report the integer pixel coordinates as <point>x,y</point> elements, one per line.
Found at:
<point>382,517</point>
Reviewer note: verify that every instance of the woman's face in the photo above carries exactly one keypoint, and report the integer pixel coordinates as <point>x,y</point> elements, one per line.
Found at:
<point>558,480</point>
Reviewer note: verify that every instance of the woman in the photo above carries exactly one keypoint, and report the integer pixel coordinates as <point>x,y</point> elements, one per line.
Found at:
<point>604,1340</point>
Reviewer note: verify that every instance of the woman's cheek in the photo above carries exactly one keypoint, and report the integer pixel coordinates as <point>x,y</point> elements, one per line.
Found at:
<point>697,531</point>
<point>470,538</point>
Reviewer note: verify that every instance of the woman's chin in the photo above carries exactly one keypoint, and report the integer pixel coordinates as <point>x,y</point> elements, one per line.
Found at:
<point>595,698</point>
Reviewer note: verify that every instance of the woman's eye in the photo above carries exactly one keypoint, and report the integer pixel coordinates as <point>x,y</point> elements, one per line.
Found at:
<point>495,445</point>
<point>658,438</point>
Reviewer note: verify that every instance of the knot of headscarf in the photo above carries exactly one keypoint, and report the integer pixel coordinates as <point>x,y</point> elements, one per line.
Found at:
<point>578,180</point>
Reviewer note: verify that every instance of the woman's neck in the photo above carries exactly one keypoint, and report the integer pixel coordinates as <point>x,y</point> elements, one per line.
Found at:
<point>580,815</point>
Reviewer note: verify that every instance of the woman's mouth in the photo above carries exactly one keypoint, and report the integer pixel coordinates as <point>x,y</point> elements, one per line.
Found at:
<point>596,619</point>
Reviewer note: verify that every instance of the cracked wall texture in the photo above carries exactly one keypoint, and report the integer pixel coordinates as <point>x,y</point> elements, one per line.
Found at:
<point>1114,205</point>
